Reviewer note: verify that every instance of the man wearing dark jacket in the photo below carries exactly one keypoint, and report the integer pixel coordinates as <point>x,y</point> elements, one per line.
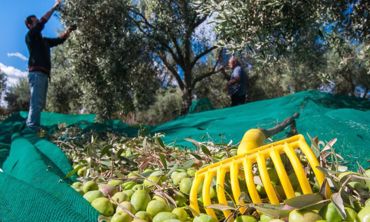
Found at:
<point>39,63</point>
<point>237,82</point>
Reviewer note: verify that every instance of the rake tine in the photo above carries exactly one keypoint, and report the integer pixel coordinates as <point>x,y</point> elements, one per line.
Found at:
<point>235,187</point>
<point>194,192</point>
<point>283,175</point>
<point>221,172</point>
<point>298,169</point>
<point>314,163</point>
<point>206,194</point>
<point>270,191</point>
<point>252,190</point>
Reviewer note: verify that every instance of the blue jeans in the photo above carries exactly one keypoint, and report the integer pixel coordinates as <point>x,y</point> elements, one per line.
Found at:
<point>38,82</point>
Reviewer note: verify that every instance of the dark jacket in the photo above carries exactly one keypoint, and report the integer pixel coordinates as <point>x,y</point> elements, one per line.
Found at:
<point>239,88</point>
<point>39,48</point>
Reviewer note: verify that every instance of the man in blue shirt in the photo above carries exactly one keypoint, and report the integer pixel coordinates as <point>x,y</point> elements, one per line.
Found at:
<point>237,82</point>
<point>39,63</point>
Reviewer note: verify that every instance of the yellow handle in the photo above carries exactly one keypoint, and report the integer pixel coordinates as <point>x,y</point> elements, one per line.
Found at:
<point>252,139</point>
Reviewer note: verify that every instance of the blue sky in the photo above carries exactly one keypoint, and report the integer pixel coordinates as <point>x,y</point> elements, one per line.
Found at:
<point>13,49</point>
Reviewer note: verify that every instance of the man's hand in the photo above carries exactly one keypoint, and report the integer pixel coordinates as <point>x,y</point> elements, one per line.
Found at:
<point>57,3</point>
<point>232,81</point>
<point>48,14</point>
<point>72,27</point>
<point>68,31</point>
<point>222,69</point>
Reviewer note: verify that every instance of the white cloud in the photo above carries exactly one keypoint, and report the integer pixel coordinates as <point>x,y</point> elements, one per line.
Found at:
<point>13,74</point>
<point>18,55</point>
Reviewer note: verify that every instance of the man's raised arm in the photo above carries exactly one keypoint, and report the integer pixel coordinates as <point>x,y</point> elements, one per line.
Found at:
<point>56,41</point>
<point>48,14</point>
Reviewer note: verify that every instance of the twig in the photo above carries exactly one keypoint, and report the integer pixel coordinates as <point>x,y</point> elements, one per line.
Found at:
<point>281,126</point>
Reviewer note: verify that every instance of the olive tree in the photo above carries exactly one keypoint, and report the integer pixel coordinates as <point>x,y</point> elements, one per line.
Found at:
<point>172,28</point>
<point>296,43</point>
<point>2,82</point>
<point>107,57</point>
<point>17,96</point>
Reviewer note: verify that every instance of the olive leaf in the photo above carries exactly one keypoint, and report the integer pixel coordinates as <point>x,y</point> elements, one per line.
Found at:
<point>200,146</point>
<point>159,142</point>
<point>105,150</point>
<point>324,190</point>
<point>303,200</point>
<point>316,206</point>
<point>196,156</point>
<point>205,150</point>
<point>275,211</point>
<point>338,202</point>
<point>163,160</point>
<point>220,207</point>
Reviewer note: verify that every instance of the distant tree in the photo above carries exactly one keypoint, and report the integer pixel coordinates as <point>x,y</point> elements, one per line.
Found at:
<point>167,106</point>
<point>17,96</point>
<point>348,66</point>
<point>171,27</point>
<point>349,43</point>
<point>2,82</point>
<point>2,89</point>
<point>64,93</point>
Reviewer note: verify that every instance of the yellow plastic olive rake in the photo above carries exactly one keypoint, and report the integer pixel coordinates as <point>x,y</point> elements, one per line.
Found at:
<point>252,151</point>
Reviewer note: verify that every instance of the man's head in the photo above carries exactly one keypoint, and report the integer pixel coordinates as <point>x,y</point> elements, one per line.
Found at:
<point>233,62</point>
<point>31,21</point>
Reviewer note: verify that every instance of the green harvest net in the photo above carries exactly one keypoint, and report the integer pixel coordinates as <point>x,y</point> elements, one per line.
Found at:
<point>33,185</point>
<point>200,105</point>
<point>321,114</point>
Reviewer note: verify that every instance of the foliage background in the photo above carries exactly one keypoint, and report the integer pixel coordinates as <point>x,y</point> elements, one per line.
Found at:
<point>145,61</point>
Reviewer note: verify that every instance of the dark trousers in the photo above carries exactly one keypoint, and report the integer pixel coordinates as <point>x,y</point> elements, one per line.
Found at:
<point>237,100</point>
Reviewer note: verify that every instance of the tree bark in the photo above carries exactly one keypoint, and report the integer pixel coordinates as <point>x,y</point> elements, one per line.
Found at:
<point>186,100</point>
<point>365,94</point>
